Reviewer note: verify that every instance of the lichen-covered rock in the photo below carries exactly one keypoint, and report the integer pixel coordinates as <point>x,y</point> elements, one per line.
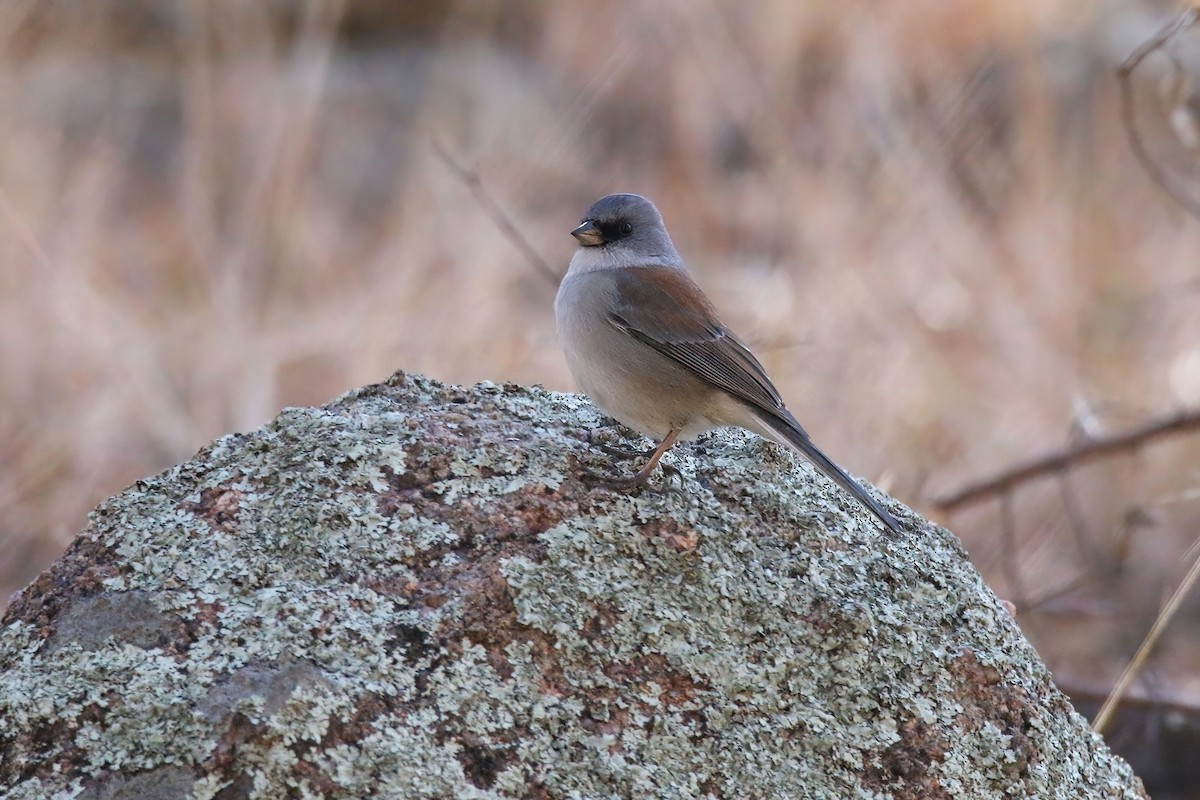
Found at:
<point>411,593</point>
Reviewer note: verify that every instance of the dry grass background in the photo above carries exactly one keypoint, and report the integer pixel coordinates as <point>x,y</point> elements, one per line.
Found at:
<point>925,213</point>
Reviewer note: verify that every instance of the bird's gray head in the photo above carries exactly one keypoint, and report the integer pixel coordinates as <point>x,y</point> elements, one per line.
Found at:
<point>624,230</point>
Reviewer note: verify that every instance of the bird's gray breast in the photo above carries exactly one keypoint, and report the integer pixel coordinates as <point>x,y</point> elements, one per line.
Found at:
<point>624,377</point>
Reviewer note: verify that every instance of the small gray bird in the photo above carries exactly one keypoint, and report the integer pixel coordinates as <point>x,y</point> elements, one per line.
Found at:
<point>646,345</point>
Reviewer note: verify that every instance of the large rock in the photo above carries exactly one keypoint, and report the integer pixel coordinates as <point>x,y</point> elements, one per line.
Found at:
<point>411,593</point>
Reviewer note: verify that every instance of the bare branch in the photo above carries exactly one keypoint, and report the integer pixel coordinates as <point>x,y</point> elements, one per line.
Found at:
<point>501,219</point>
<point>1077,520</point>
<point>1009,545</point>
<point>1150,730</point>
<point>1143,652</point>
<point>1163,177</point>
<point>1086,450</point>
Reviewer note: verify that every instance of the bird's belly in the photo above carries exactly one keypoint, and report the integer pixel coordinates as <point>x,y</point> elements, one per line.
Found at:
<point>639,387</point>
<point>626,379</point>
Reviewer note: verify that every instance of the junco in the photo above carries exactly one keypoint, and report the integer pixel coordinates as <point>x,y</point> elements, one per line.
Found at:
<point>646,346</point>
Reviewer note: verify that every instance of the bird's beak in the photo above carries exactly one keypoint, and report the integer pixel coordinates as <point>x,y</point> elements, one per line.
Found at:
<point>588,234</point>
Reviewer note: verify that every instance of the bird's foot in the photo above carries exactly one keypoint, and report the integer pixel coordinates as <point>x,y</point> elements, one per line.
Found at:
<point>623,452</point>
<point>638,482</point>
<point>626,453</point>
<point>615,482</point>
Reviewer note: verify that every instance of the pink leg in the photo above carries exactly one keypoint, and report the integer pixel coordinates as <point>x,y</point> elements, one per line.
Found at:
<point>643,475</point>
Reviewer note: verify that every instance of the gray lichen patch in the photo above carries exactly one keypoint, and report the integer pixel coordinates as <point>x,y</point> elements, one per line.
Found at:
<point>411,592</point>
<point>132,617</point>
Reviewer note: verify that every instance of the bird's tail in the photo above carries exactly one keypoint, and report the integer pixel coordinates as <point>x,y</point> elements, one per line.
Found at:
<point>787,431</point>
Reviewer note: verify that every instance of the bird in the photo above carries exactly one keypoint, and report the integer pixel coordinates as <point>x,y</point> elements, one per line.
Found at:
<point>645,344</point>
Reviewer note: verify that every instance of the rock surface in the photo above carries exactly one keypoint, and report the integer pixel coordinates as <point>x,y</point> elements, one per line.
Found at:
<point>411,593</point>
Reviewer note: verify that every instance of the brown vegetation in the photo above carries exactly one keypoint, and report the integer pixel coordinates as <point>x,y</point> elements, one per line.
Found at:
<point>926,215</point>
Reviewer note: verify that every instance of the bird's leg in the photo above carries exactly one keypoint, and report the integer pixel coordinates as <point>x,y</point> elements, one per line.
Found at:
<point>643,475</point>
<point>645,472</point>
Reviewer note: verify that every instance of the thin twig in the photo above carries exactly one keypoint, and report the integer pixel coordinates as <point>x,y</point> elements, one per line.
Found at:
<point>501,219</point>
<point>25,233</point>
<point>1143,652</point>
<point>1057,461</point>
<point>1161,176</point>
<point>1009,552</point>
<point>1078,523</point>
<point>1040,602</point>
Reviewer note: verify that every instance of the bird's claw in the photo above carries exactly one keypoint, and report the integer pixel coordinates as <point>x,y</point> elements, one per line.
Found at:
<point>616,482</point>
<point>631,483</point>
<point>617,452</point>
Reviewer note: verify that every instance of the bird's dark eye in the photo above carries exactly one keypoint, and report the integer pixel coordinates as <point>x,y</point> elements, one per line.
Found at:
<point>626,229</point>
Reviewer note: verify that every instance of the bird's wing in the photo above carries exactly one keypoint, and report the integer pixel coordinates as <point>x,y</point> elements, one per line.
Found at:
<point>664,309</point>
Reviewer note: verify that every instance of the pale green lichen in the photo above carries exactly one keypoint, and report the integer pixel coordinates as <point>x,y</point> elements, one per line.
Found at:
<point>752,633</point>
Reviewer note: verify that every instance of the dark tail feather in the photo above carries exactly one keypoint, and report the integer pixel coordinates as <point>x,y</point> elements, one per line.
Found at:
<point>788,429</point>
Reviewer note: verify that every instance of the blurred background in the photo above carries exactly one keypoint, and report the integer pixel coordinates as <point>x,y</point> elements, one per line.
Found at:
<point>925,216</point>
